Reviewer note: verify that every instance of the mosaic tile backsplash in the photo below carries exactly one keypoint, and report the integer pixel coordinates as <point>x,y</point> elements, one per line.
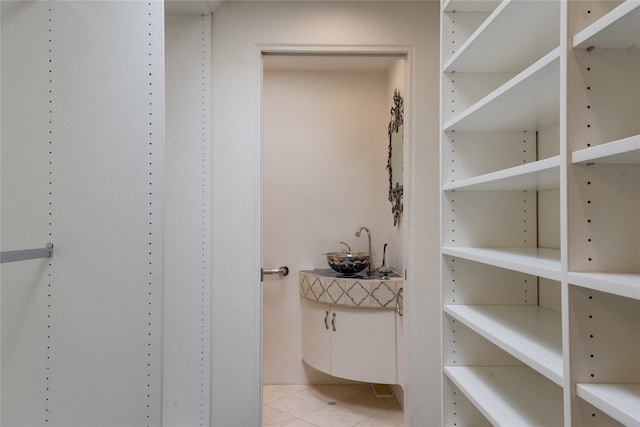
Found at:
<point>325,285</point>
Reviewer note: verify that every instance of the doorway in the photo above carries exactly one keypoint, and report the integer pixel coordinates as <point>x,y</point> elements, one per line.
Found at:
<point>325,148</point>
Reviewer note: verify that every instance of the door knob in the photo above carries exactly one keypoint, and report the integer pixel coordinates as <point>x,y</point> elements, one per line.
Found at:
<point>283,271</point>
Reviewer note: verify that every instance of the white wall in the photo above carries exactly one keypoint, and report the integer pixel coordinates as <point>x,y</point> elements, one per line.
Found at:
<point>324,175</point>
<point>240,31</point>
<point>82,132</point>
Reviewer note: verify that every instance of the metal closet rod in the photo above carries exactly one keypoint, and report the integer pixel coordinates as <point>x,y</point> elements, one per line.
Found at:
<point>25,254</point>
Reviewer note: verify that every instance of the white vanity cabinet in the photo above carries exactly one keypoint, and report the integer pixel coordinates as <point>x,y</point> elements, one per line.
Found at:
<point>349,325</point>
<point>352,343</point>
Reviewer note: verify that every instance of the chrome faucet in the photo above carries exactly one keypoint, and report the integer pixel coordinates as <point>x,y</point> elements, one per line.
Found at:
<point>370,267</point>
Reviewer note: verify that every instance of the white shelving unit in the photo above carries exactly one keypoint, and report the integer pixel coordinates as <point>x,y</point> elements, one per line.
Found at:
<point>604,225</point>
<point>503,109</point>
<point>618,400</point>
<point>530,333</point>
<point>614,30</point>
<point>520,19</point>
<point>625,285</point>
<point>542,262</point>
<point>621,152</point>
<point>540,142</point>
<point>503,394</point>
<point>536,176</point>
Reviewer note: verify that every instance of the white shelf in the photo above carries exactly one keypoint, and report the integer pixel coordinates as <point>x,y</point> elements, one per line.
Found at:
<point>618,29</point>
<point>624,285</point>
<point>487,50</point>
<point>531,333</point>
<point>529,101</point>
<point>620,401</point>
<point>510,396</point>
<point>535,176</point>
<point>622,152</point>
<point>540,262</point>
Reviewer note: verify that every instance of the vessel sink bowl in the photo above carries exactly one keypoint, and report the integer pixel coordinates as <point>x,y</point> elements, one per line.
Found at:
<point>348,263</point>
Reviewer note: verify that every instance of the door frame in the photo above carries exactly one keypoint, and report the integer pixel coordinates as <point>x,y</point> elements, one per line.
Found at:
<point>401,52</point>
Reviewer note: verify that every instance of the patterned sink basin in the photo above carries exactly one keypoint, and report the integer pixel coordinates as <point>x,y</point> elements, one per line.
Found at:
<point>348,263</point>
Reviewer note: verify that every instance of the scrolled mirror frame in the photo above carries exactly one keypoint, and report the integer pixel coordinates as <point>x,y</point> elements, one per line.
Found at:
<point>395,193</point>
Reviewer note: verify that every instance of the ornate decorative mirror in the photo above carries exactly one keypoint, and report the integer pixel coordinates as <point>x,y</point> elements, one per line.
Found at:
<point>394,161</point>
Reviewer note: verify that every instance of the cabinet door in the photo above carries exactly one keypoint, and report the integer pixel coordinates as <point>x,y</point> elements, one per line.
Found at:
<point>316,338</point>
<point>363,344</point>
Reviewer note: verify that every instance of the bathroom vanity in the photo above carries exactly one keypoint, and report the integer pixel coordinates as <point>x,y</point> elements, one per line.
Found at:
<point>349,324</point>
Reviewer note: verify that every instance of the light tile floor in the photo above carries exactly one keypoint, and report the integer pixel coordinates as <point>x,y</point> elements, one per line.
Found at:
<point>328,406</point>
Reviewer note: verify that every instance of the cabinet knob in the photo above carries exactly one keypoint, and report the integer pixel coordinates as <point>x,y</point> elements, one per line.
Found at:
<point>333,321</point>
<point>326,321</point>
